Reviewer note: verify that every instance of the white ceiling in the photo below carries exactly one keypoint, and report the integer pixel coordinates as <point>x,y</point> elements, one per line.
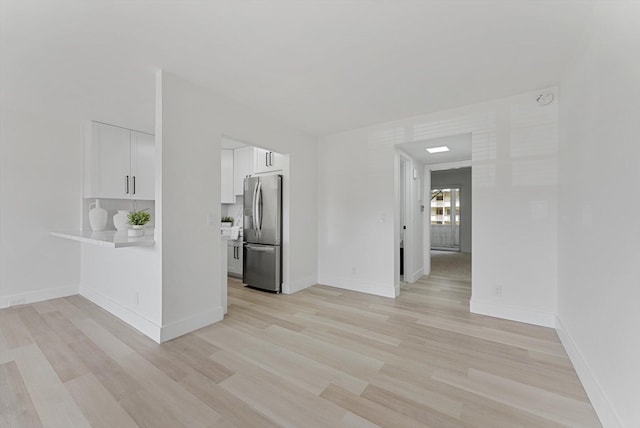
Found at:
<point>459,149</point>
<point>320,66</point>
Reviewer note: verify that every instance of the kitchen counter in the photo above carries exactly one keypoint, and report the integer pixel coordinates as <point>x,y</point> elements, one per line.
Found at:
<point>108,238</point>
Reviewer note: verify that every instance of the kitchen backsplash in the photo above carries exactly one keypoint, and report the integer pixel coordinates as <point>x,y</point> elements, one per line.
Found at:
<point>234,210</point>
<point>113,205</point>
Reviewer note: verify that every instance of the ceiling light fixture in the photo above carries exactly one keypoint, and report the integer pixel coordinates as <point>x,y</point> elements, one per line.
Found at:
<point>439,149</point>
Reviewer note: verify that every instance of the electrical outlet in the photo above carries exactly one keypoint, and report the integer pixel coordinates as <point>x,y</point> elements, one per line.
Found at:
<point>497,291</point>
<point>136,298</point>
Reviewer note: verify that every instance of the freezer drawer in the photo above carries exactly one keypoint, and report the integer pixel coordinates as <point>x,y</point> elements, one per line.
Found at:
<point>262,267</point>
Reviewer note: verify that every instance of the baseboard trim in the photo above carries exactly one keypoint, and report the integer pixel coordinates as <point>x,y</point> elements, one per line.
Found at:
<point>135,320</point>
<point>416,275</point>
<point>300,284</point>
<point>513,314</point>
<point>361,287</point>
<point>37,296</point>
<point>602,406</point>
<point>187,325</point>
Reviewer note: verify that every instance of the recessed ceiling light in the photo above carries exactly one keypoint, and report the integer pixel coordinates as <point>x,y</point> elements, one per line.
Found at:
<point>437,149</point>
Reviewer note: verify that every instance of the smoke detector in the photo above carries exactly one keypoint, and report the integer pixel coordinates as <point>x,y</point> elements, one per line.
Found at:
<point>545,98</point>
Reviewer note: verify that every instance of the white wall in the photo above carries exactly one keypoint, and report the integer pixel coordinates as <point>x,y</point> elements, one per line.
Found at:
<point>514,159</point>
<point>125,282</point>
<point>599,176</point>
<point>356,205</point>
<point>193,121</point>
<point>460,177</point>
<point>40,176</point>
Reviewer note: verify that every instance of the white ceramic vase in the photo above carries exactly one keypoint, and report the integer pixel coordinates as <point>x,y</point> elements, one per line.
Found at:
<point>121,220</point>
<point>97,216</point>
<point>136,231</point>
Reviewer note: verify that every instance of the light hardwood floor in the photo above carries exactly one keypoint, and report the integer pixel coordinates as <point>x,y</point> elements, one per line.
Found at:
<point>321,357</point>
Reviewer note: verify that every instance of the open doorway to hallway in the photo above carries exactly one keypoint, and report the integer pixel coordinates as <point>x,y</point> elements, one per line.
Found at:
<point>445,219</point>
<point>451,209</point>
<point>436,166</point>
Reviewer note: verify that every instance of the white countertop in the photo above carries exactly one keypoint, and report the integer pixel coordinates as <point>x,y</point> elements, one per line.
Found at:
<point>231,233</point>
<point>108,238</point>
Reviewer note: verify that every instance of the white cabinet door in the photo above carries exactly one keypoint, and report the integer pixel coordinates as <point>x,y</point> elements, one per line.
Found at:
<point>234,258</point>
<point>277,161</point>
<point>266,161</point>
<point>227,195</point>
<point>234,254</point>
<point>108,162</point>
<point>119,163</point>
<point>242,166</point>
<point>231,256</point>
<point>240,258</point>
<point>142,166</point>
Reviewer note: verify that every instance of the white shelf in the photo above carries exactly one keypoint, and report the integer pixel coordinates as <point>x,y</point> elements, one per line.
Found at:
<point>108,238</point>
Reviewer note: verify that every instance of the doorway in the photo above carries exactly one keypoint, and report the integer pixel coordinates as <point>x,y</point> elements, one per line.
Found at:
<point>445,219</point>
<point>449,222</point>
<point>405,218</point>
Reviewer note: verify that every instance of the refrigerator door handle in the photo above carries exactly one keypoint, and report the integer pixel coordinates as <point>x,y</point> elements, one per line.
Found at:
<point>253,209</point>
<point>259,208</point>
<point>261,249</point>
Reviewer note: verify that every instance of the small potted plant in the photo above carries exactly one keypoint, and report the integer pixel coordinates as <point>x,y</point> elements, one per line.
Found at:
<point>137,220</point>
<point>226,221</point>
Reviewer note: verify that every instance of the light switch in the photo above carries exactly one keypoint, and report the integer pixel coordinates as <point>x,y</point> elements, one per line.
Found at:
<point>211,219</point>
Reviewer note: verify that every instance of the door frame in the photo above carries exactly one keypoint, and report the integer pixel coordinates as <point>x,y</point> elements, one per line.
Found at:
<point>404,191</point>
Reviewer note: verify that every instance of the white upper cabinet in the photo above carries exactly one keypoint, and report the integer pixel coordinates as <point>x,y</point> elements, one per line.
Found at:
<point>242,162</point>
<point>227,196</point>
<point>119,163</point>
<point>266,161</point>
<point>142,165</point>
<point>242,167</point>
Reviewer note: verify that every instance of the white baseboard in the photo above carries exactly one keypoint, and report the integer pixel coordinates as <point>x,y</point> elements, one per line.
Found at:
<point>602,406</point>
<point>37,296</point>
<point>203,319</point>
<point>300,284</point>
<point>415,276</point>
<point>514,314</point>
<point>132,318</point>
<point>377,289</point>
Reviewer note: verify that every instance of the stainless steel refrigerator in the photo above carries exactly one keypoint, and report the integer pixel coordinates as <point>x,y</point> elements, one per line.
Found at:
<point>262,250</point>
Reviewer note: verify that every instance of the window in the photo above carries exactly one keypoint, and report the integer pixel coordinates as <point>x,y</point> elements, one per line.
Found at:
<point>443,203</point>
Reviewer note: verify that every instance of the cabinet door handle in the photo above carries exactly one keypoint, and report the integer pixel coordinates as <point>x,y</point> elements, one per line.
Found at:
<point>266,159</point>
<point>134,185</point>
<point>126,184</point>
